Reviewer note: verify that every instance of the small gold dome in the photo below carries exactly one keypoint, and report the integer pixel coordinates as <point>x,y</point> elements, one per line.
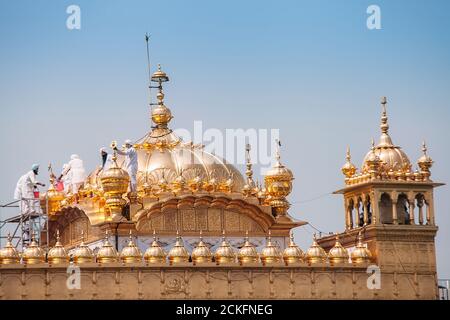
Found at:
<point>155,254</point>
<point>33,254</point>
<point>225,252</point>
<point>338,254</point>
<point>292,254</point>
<point>9,254</point>
<point>159,75</point>
<point>361,254</point>
<point>178,253</point>
<point>53,198</point>
<point>349,168</point>
<point>201,253</point>
<point>248,254</point>
<point>270,253</point>
<point>57,254</point>
<point>316,254</point>
<point>131,253</point>
<point>107,253</point>
<point>83,254</point>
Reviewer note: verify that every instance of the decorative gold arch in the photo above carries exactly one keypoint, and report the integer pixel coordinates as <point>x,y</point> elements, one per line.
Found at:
<point>209,214</point>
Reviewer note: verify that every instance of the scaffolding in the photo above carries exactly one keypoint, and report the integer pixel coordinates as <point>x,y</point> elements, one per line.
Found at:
<point>30,221</point>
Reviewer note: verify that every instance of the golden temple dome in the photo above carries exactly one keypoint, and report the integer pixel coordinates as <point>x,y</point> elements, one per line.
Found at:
<point>201,252</point>
<point>292,254</point>
<point>178,253</point>
<point>425,163</point>
<point>53,198</point>
<point>131,253</point>
<point>225,252</point>
<point>338,254</point>
<point>107,253</point>
<point>392,157</point>
<point>33,254</point>
<point>83,254</point>
<point>270,253</point>
<point>316,254</point>
<point>248,254</point>
<point>57,254</point>
<point>155,254</point>
<point>361,254</point>
<point>9,254</point>
<point>348,168</point>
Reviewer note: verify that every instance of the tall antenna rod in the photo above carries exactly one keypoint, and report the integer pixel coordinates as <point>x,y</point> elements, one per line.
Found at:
<point>147,37</point>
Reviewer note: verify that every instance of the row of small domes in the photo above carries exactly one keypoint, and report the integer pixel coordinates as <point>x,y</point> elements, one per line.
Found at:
<point>224,254</point>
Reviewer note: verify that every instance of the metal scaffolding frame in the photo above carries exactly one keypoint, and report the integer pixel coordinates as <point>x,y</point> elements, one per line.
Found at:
<point>26,224</point>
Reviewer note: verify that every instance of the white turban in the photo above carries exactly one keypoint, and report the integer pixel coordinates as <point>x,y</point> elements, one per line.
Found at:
<point>74,156</point>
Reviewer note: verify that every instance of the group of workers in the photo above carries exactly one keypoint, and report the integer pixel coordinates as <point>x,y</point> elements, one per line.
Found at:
<point>73,176</point>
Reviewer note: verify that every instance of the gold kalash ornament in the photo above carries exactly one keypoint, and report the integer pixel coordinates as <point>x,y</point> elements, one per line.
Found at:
<point>115,182</point>
<point>83,254</point>
<point>155,254</point>
<point>9,254</point>
<point>225,252</point>
<point>131,253</point>
<point>270,254</point>
<point>33,254</point>
<point>57,254</point>
<point>201,253</point>
<point>278,182</point>
<point>248,254</point>
<point>178,253</point>
<point>107,253</point>
<point>338,254</point>
<point>361,254</point>
<point>292,254</point>
<point>316,254</point>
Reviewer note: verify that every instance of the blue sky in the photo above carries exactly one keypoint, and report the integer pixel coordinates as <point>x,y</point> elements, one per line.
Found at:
<point>310,68</point>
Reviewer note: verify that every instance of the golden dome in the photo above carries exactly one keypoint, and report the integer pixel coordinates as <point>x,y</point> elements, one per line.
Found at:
<point>33,254</point>
<point>9,254</point>
<point>107,253</point>
<point>270,253</point>
<point>201,253</point>
<point>54,199</point>
<point>361,254</point>
<point>247,254</point>
<point>155,254</point>
<point>391,156</point>
<point>349,168</point>
<point>316,254</point>
<point>425,163</point>
<point>225,252</point>
<point>178,253</point>
<point>57,254</point>
<point>131,253</point>
<point>338,254</point>
<point>292,254</point>
<point>83,254</point>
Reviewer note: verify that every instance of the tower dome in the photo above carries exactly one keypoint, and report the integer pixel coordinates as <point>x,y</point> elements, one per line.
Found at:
<point>57,254</point>
<point>201,252</point>
<point>107,253</point>
<point>33,254</point>
<point>338,254</point>
<point>225,252</point>
<point>178,253</point>
<point>270,253</point>
<point>9,254</point>
<point>155,254</point>
<point>131,253</point>
<point>292,254</point>
<point>248,254</point>
<point>83,254</point>
<point>316,254</point>
<point>361,254</point>
<point>392,157</point>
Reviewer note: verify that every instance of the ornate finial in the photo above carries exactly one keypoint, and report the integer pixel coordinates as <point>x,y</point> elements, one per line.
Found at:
<point>57,235</point>
<point>385,139</point>
<point>246,235</point>
<point>223,235</point>
<point>278,152</point>
<point>424,148</point>
<point>201,236</point>
<point>130,235</point>
<point>348,156</point>
<point>291,237</point>
<point>373,145</point>
<point>349,168</point>
<point>82,235</point>
<point>9,237</point>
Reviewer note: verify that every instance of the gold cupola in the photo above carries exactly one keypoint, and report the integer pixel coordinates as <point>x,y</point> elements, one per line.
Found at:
<point>155,254</point>
<point>361,254</point>
<point>178,253</point>
<point>33,254</point>
<point>248,254</point>
<point>131,253</point>
<point>201,253</point>
<point>53,199</point>
<point>278,182</point>
<point>338,254</point>
<point>393,159</point>
<point>348,169</point>
<point>57,254</point>
<point>425,163</point>
<point>292,254</point>
<point>83,254</point>
<point>270,254</point>
<point>316,254</point>
<point>115,182</point>
<point>9,254</point>
<point>225,252</point>
<point>107,253</point>
<point>249,188</point>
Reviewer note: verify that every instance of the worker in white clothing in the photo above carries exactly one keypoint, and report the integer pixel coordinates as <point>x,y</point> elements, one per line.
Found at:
<point>77,174</point>
<point>25,189</point>
<point>106,159</point>
<point>67,179</point>
<point>131,162</point>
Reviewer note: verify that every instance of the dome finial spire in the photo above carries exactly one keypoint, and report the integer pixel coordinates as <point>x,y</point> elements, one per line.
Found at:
<point>385,139</point>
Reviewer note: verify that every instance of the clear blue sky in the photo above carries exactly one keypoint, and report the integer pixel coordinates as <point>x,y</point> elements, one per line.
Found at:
<point>310,68</point>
